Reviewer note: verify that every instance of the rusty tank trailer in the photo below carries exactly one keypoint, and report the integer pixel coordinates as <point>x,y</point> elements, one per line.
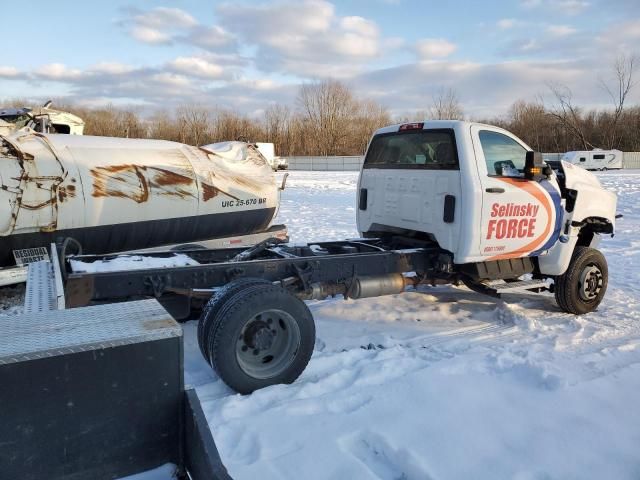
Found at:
<point>116,194</point>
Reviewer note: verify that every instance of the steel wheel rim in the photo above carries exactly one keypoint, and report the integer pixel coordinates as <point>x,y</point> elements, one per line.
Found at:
<point>591,282</point>
<point>267,344</point>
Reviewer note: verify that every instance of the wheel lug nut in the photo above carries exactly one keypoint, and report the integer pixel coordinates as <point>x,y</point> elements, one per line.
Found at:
<point>244,348</point>
<point>256,351</point>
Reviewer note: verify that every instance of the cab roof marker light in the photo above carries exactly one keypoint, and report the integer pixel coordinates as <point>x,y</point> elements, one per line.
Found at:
<point>411,126</point>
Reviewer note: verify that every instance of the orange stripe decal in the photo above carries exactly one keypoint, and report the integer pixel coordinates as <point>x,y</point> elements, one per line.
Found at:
<point>531,189</point>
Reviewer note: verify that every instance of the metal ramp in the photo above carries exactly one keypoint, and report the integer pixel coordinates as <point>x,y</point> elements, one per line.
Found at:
<point>44,291</point>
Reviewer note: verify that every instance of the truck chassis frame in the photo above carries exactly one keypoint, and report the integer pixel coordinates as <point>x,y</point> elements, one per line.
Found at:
<point>334,265</point>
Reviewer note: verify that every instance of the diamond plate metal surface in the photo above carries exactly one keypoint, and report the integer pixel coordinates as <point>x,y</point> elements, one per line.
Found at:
<point>40,295</point>
<point>58,332</point>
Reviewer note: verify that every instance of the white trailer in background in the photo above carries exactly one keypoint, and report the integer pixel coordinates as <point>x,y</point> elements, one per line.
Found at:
<point>595,159</point>
<point>268,151</point>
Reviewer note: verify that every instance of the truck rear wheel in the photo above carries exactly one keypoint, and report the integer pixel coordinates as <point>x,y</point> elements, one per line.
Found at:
<point>582,287</point>
<point>260,336</point>
<point>215,302</point>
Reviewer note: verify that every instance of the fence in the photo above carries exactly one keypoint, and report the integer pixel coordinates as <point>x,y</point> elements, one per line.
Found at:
<point>345,163</point>
<point>353,163</point>
<point>631,159</point>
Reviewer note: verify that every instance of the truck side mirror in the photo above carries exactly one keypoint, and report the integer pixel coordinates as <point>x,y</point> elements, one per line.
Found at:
<point>534,166</point>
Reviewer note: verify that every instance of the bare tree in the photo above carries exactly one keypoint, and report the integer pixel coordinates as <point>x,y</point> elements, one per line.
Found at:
<point>194,124</point>
<point>567,114</point>
<point>327,107</point>
<point>623,69</point>
<point>163,125</point>
<point>529,121</point>
<point>369,117</point>
<point>277,120</point>
<point>445,105</point>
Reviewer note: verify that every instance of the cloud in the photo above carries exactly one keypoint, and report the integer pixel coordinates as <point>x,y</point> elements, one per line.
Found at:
<point>625,38</point>
<point>9,72</point>
<point>162,17</point>
<point>112,68</point>
<point>155,26</point>
<point>164,26</point>
<point>210,38</point>
<point>506,23</point>
<point>560,30</point>
<point>196,66</point>
<point>304,38</point>
<point>567,7</point>
<point>58,72</point>
<point>287,43</point>
<point>149,35</point>
<point>430,48</point>
<point>485,90</point>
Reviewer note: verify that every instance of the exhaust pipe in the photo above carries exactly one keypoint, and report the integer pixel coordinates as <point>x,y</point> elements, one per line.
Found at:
<point>378,285</point>
<point>362,287</point>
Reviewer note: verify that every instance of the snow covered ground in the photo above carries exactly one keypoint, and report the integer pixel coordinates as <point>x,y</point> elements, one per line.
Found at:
<point>442,383</point>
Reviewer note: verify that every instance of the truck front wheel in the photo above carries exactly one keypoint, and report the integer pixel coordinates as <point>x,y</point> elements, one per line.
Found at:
<point>582,287</point>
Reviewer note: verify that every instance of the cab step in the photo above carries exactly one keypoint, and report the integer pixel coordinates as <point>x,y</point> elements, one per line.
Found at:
<point>521,285</point>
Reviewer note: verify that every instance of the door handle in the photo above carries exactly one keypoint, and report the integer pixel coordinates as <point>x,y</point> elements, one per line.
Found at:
<point>362,204</point>
<point>494,190</point>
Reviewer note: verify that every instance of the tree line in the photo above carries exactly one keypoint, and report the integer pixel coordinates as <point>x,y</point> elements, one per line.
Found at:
<point>328,118</point>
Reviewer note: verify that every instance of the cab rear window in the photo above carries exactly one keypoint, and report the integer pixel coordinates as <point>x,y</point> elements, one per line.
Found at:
<point>421,149</point>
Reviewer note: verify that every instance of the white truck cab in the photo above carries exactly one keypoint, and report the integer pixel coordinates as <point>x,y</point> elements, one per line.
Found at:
<point>482,195</point>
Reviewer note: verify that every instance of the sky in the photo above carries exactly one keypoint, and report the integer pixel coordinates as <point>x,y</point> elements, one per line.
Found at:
<point>246,55</point>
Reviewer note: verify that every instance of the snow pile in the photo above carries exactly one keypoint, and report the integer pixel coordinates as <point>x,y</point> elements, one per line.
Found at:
<point>132,262</point>
<point>12,300</point>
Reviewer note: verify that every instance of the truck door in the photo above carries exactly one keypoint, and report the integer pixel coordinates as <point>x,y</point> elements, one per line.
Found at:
<point>519,217</point>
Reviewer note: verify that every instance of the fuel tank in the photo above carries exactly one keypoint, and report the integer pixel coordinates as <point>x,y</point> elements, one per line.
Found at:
<point>115,194</point>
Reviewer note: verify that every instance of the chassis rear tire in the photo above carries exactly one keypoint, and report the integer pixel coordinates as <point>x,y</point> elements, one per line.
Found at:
<point>582,287</point>
<point>213,305</point>
<point>260,336</point>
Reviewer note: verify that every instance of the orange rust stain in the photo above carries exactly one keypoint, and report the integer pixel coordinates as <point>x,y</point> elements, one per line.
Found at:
<point>138,182</point>
<point>66,192</point>
<point>245,182</point>
<point>38,206</point>
<point>122,181</point>
<point>209,191</point>
<point>167,177</point>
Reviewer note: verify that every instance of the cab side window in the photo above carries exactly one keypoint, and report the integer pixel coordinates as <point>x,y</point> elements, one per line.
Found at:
<point>504,156</point>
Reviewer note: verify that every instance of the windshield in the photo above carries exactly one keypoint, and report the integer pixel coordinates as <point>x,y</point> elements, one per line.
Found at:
<point>422,149</point>
<point>19,120</point>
